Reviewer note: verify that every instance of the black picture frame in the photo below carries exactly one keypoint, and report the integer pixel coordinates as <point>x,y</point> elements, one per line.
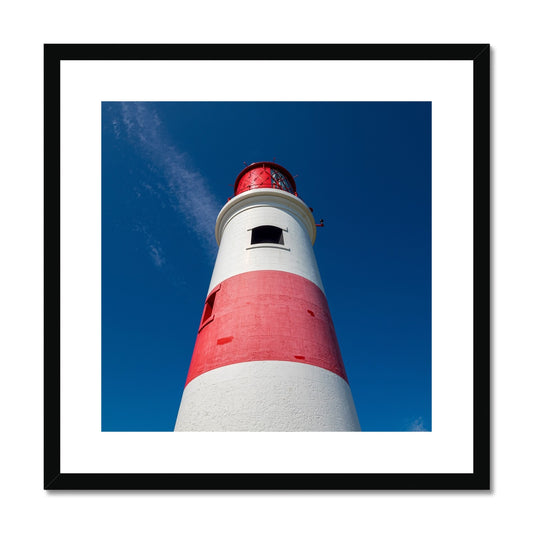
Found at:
<point>479,55</point>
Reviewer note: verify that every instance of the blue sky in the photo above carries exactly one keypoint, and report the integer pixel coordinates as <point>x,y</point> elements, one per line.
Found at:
<point>167,169</point>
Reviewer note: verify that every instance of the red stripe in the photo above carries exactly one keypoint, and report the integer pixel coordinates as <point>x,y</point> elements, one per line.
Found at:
<point>266,315</point>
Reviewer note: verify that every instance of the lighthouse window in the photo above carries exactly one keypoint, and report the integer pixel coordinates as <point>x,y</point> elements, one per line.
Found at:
<point>208,310</point>
<point>267,234</point>
<point>279,181</point>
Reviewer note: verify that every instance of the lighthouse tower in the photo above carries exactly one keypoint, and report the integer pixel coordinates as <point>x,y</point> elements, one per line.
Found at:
<point>266,356</point>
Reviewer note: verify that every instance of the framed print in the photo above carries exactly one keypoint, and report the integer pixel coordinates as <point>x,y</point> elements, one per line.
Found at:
<point>267,267</point>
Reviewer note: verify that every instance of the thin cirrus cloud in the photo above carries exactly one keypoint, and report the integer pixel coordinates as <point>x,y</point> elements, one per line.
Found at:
<point>157,255</point>
<point>152,245</point>
<point>184,188</point>
<point>417,425</point>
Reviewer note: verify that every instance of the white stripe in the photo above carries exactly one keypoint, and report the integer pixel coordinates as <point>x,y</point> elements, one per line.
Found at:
<point>260,207</point>
<point>267,396</point>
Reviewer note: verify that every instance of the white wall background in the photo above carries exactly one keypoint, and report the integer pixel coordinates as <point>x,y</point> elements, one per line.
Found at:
<point>24,27</point>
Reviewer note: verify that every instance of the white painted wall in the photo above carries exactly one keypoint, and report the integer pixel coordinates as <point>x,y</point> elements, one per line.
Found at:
<point>267,396</point>
<point>265,207</point>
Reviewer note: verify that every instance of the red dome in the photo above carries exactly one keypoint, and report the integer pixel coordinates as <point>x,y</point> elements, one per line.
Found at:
<point>265,175</point>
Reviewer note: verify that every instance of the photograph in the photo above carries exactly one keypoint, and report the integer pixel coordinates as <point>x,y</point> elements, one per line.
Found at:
<point>291,257</point>
<point>266,266</point>
<point>330,337</point>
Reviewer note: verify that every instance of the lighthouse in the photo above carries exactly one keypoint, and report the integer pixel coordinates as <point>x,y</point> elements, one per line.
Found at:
<point>266,356</point>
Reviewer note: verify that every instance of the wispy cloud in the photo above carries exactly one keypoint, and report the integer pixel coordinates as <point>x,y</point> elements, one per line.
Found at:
<point>183,187</point>
<point>157,255</point>
<point>417,425</point>
<point>153,246</point>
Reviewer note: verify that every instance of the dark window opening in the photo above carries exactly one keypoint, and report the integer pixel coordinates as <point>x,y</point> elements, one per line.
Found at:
<point>267,234</point>
<point>208,309</point>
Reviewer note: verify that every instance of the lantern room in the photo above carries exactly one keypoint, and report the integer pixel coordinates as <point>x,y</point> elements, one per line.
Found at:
<point>265,175</point>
